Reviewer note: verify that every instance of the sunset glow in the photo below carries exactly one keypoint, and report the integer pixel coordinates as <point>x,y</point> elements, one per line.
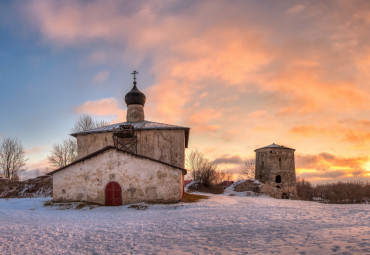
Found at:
<point>240,74</point>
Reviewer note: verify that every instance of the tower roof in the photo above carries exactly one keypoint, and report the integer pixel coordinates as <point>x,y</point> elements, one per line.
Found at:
<point>274,146</point>
<point>135,96</point>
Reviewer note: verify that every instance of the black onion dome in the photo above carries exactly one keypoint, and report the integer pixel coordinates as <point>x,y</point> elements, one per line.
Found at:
<point>135,96</point>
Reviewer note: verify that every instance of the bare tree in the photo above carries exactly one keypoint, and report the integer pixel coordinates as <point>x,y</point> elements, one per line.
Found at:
<point>201,168</point>
<point>248,168</point>
<point>85,122</point>
<point>12,157</point>
<point>224,176</point>
<point>63,153</point>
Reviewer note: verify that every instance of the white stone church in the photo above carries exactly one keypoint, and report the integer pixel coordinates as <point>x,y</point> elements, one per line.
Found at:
<point>128,162</point>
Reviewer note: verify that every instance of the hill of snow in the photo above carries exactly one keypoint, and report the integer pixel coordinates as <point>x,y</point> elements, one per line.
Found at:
<point>219,225</point>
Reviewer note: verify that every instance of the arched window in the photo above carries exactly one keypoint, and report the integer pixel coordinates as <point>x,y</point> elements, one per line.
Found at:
<point>278,179</point>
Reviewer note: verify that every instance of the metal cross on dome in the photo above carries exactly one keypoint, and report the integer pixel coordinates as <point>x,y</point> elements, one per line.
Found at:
<point>134,73</point>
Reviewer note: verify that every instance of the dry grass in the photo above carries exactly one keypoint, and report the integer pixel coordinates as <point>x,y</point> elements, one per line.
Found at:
<point>192,198</point>
<point>248,185</point>
<point>38,187</point>
<point>213,189</point>
<point>138,207</point>
<point>70,205</point>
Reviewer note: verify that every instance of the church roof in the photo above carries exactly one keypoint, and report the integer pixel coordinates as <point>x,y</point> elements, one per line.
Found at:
<point>119,150</point>
<point>143,125</point>
<point>274,146</point>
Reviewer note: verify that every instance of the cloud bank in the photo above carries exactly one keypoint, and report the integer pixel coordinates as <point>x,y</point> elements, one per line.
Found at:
<point>241,75</point>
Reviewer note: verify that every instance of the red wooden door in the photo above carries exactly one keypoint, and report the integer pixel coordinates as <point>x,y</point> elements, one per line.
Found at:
<point>113,194</point>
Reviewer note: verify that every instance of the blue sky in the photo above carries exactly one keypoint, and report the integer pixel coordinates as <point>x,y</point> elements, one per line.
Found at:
<point>41,85</point>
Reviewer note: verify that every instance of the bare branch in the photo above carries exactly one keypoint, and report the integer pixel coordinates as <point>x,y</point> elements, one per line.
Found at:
<point>64,153</point>
<point>12,157</point>
<point>85,122</point>
<point>248,168</point>
<point>201,169</point>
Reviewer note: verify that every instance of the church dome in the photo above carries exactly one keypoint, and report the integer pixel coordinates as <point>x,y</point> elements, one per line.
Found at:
<point>135,96</point>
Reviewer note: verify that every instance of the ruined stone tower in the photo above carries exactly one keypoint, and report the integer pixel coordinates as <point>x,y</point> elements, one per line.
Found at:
<point>275,167</point>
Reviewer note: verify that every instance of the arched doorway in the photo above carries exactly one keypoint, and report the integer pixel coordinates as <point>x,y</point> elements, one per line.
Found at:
<point>113,194</point>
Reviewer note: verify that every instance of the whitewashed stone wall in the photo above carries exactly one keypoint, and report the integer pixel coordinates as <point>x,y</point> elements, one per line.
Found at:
<point>164,145</point>
<point>140,179</point>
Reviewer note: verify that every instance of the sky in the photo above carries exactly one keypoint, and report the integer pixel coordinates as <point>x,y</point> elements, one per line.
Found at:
<point>241,74</point>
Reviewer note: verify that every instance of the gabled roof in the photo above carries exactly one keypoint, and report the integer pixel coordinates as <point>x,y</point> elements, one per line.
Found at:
<point>143,125</point>
<point>274,146</point>
<point>110,148</point>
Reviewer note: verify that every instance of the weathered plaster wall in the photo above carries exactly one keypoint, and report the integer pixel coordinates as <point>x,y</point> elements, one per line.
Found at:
<point>164,145</point>
<point>140,179</point>
<point>271,162</point>
<point>90,143</point>
<point>135,113</point>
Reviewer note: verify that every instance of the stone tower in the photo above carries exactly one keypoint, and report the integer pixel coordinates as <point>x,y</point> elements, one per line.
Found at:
<point>275,166</point>
<point>135,101</point>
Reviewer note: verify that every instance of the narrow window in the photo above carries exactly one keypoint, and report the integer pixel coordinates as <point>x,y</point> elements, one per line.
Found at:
<point>278,179</point>
<point>262,165</point>
<point>280,163</point>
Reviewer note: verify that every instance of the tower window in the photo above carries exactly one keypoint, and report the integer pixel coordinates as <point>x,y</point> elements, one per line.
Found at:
<point>280,163</point>
<point>262,165</point>
<point>278,179</point>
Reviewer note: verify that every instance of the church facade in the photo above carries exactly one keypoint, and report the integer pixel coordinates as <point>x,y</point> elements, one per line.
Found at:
<point>128,162</point>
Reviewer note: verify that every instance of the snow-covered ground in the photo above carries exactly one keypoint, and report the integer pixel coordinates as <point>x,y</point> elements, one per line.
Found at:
<point>219,225</point>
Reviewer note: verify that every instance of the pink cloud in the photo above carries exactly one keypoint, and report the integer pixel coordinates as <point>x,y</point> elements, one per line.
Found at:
<point>296,9</point>
<point>101,76</point>
<point>40,164</point>
<point>98,57</point>
<point>35,149</point>
<point>101,107</point>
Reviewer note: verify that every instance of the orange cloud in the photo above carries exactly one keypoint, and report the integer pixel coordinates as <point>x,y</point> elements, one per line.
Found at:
<point>328,167</point>
<point>310,130</point>
<point>356,136</point>
<point>222,69</point>
<point>201,119</point>
<point>258,114</point>
<point>325,161</point>
<point>102,107</point>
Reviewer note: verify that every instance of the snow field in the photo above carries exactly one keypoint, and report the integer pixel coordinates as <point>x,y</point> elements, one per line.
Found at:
<point>219,225</point>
